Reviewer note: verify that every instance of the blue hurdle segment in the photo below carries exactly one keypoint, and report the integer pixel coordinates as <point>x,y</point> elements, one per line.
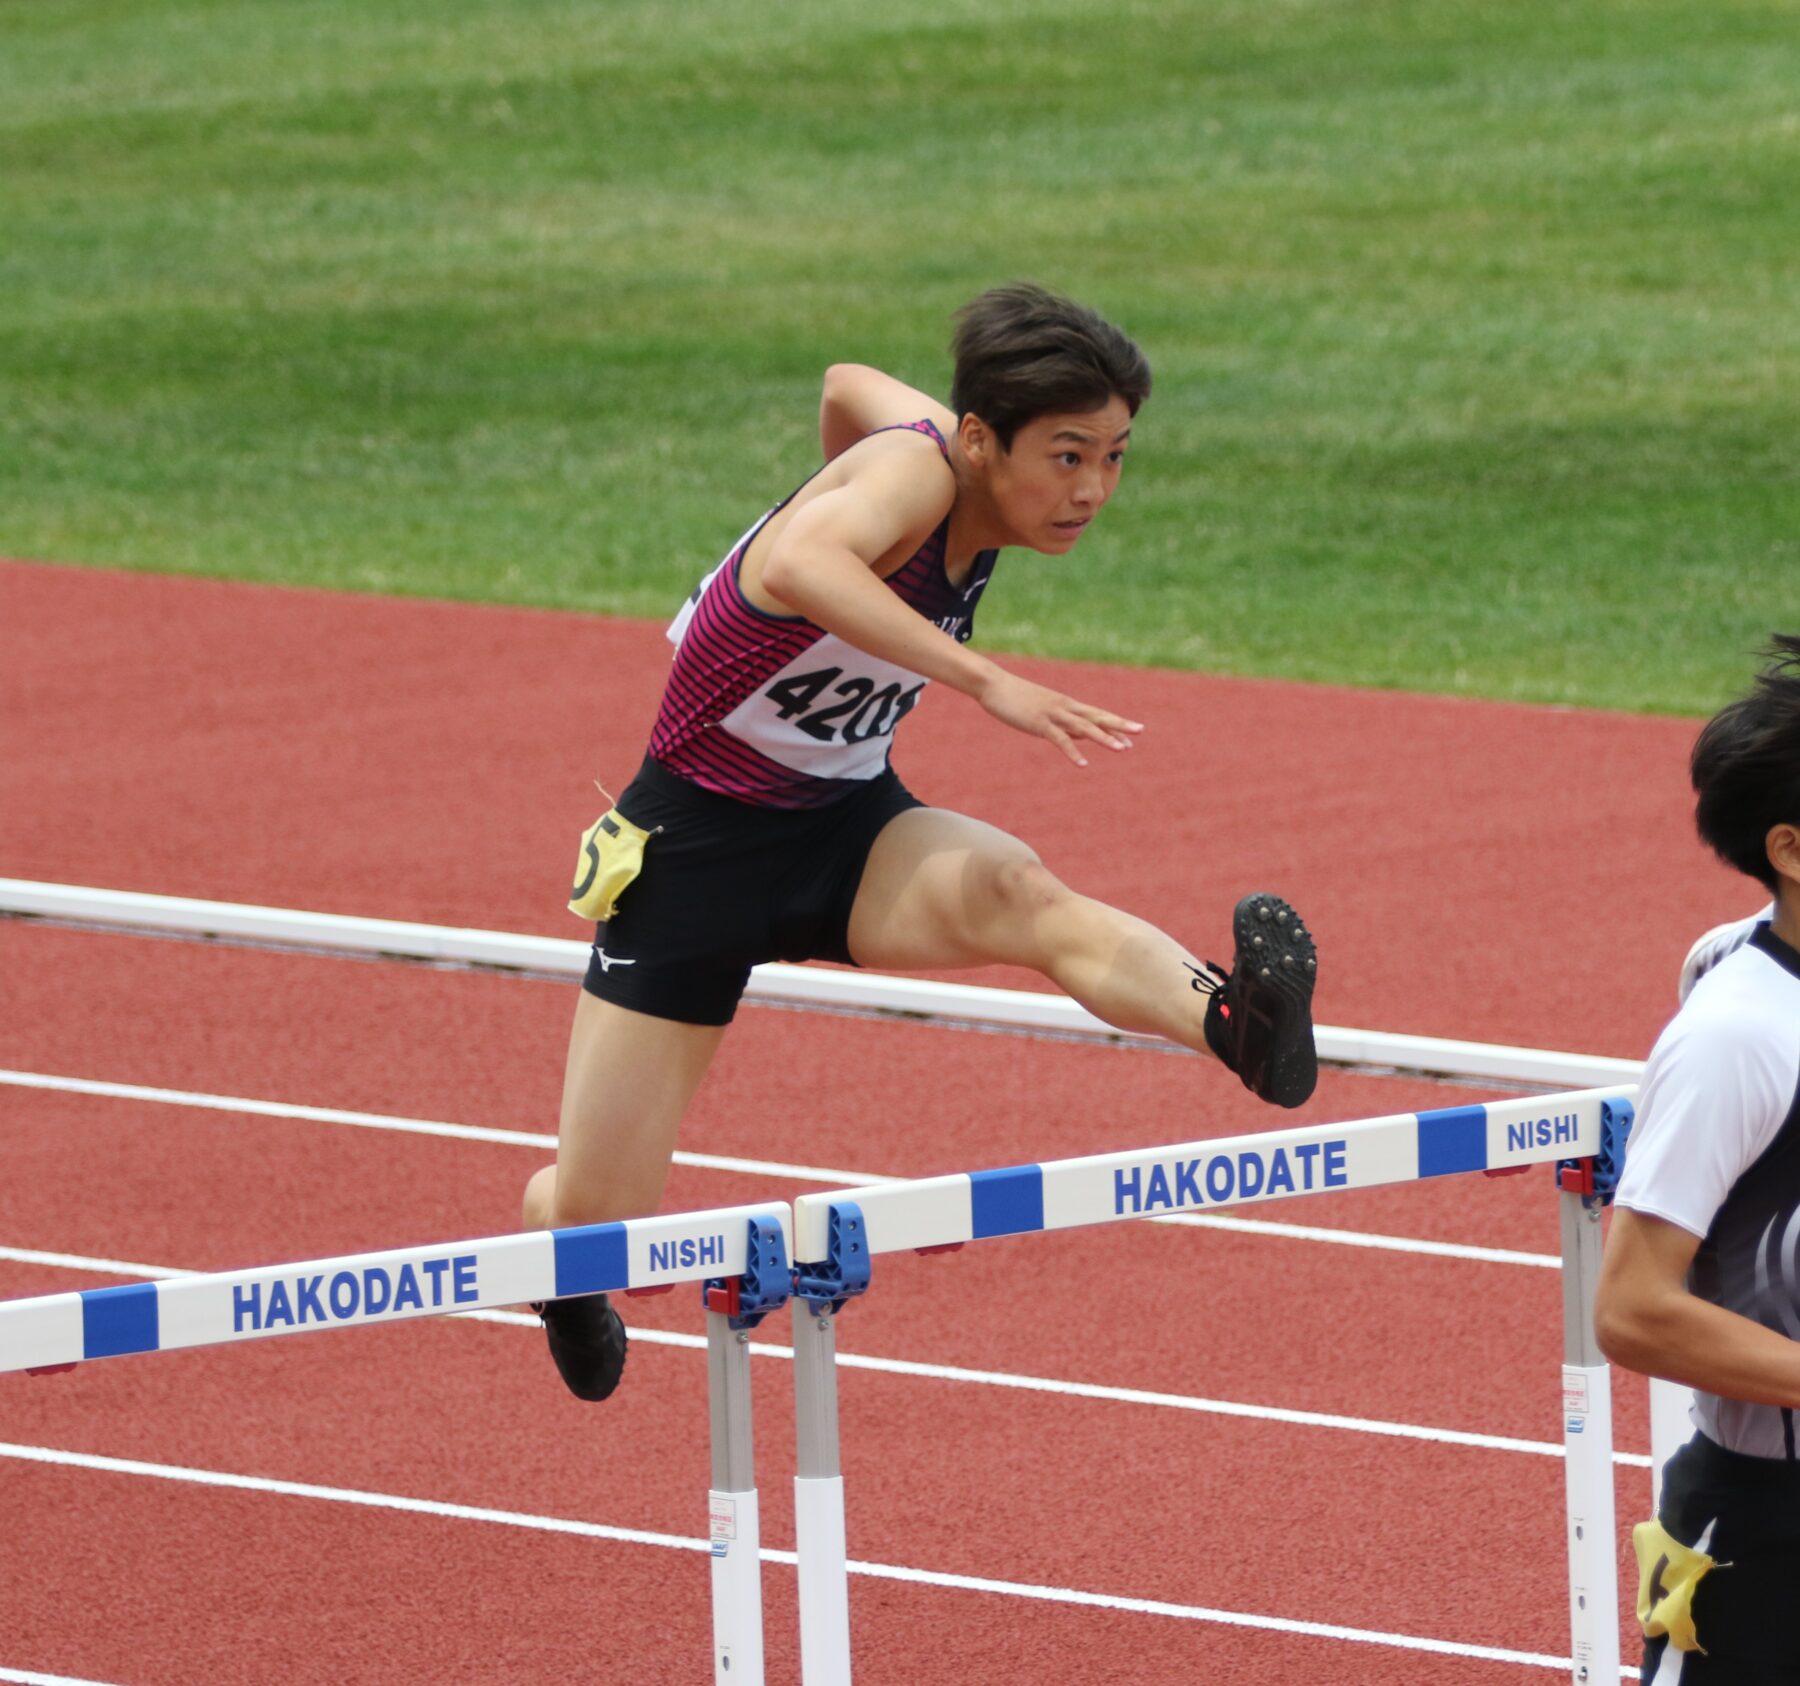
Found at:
<point>1495,1136</point>
<point>54,1330</point>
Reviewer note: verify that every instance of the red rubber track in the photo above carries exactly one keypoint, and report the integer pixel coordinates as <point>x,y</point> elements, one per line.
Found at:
<point>1473,870</point>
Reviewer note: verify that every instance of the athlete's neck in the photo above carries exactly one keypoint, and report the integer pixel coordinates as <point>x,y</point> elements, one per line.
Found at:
<point>1786,923</point>
<point>975,524</point>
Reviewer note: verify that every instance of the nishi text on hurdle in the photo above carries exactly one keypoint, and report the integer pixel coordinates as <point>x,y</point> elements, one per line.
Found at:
<point>1542,1132</point>
<point>687,1253</point>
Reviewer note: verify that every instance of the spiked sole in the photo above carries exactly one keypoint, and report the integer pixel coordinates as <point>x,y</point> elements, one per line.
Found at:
<point>1274,970</point>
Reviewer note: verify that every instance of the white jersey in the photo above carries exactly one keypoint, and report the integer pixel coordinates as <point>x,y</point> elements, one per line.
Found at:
<point>1715,1150</point>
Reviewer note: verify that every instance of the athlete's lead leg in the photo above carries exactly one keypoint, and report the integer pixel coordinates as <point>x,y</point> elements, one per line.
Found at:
<point>940,889</point>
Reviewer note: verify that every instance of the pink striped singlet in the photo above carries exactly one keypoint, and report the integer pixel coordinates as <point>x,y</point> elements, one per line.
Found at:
<point>780,713</point>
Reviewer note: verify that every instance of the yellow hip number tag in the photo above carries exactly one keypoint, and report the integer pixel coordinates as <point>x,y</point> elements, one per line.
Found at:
<point>1668,1574</point>
<point>612,855</point>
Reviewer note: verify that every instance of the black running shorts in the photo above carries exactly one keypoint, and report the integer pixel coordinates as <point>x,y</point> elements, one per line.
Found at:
<point>725,886</point>
<point>1744,1615</point>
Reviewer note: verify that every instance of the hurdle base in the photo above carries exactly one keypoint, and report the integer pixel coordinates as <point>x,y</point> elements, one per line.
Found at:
<point>824,1589</point>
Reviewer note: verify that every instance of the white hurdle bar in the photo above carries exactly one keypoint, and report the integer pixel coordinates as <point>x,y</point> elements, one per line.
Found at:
<point>739,1245</point>
<point>774,985</point>
<point>836,1235</point>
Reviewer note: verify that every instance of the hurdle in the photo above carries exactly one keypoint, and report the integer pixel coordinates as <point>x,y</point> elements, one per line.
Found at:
<point>776,984</point>
<point>837,1235</point>
<point>740,1254</point>
<point>828,1283</point>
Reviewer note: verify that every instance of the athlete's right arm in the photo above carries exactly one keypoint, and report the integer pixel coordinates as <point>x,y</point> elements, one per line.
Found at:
<point>858,399</point>
<point>822,566</point>
<point>1646,1319</point>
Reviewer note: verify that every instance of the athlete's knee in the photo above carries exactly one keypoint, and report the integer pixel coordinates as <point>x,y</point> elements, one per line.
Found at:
<point>540,1198</point>
<point>557,1200</point>
<point>588,1201</point>
<point>1022,886</point>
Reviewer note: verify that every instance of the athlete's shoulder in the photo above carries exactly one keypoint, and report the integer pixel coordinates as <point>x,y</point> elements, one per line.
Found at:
<point>859,399</point>
<point>1737,1032</point>
<point>1746,995</point>
<point>905,467</point>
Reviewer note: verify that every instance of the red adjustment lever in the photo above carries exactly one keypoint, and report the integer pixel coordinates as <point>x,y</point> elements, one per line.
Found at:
<point>48,1369</point>
<point>725,1299</point>
<point>645,1293</point>
<point>1577,1178</point>
<point>941,1247</point>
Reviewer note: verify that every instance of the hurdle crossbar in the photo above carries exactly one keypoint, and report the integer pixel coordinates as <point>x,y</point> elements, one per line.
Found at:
<point>775,984</point>
<point>838,1234</point>
<point>725,1248</point>
<point>642,1254</point>
<point>1231,1171</point>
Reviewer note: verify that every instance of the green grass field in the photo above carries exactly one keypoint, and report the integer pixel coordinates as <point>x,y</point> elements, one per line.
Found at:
<point>1475,324</point>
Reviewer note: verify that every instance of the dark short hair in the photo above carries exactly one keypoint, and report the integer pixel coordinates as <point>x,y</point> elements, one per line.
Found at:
<point>1746,766</point>
<point>1023,352</point>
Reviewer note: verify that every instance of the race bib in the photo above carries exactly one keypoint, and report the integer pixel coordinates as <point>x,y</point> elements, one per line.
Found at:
<point>830,712</point>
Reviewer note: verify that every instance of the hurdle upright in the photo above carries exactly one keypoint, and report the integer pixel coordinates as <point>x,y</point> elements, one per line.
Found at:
<point>837,1236</point>
<point>740,1254</point>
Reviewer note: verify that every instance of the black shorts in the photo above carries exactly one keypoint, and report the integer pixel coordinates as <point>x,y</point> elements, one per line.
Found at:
<point>1744,1615</point>
<point>725,886</point>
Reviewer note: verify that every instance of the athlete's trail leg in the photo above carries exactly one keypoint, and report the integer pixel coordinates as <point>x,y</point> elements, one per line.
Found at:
<point>628,1081</point>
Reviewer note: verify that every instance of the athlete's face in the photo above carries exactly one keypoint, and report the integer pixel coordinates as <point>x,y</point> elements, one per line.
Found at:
<point>1058,475</point>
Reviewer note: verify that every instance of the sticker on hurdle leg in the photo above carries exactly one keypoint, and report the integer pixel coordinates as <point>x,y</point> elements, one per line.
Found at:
<point>736,1588</point>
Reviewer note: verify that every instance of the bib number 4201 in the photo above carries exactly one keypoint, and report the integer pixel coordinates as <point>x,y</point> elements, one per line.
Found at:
<point>854,711</point>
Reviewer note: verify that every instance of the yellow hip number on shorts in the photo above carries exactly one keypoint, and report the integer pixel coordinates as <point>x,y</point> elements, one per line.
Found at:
<point>612,855</point>
<point>1668,1574</point>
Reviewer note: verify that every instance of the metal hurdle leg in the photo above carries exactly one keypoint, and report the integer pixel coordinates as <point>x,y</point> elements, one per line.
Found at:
<point>1588,1453</point>
<point>821,1291</point>
<point>736,1529</point>
<point>1670,1427</point>
<point>819,1502</point>
<point>734,1306</point>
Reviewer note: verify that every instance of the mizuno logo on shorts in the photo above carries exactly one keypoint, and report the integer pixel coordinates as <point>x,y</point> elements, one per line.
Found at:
<point>607,962</point>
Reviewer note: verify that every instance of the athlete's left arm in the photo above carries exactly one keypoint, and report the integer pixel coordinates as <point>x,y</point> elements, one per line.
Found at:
<point>1646,1319</point>
<point>858,399</point>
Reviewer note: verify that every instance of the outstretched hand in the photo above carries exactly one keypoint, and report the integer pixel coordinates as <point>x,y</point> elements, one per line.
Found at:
<point>1044,713</point>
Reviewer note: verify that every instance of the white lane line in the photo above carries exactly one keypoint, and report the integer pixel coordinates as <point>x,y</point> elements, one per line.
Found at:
<point>1361,1238</point>
<point>25,1677</point>
<point>749,1167</point>
<point>874,1571</point>
<point>405,1126</point>
<point>352,1496</point>
<point>974,1378</point>
<point>79,1261</point>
